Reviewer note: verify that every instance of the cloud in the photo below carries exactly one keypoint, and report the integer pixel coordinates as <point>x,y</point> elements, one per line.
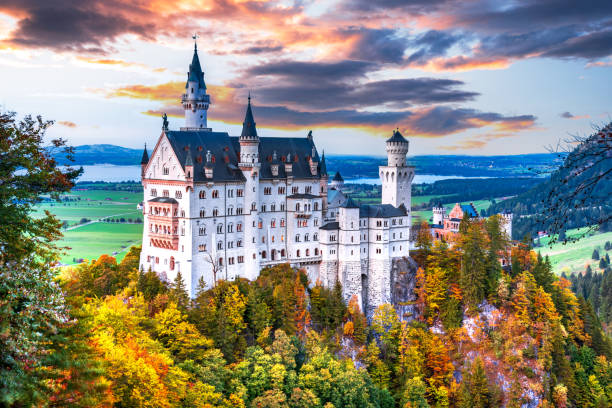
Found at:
<point>66,123</point>
<point>341,85</point>
<point>568,115</point>
<point>72,25</point>
<point>378,45</point>
<point>229,105</point>
<point>442,120</point>
<point>431,44</point>
<point>118,63</point>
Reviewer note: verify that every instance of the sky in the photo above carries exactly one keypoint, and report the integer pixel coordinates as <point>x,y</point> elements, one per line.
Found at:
<point>456,77</point>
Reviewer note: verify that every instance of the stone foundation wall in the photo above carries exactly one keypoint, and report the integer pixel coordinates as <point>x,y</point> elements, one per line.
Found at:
<point>350,273</point>
<point>379,284</point>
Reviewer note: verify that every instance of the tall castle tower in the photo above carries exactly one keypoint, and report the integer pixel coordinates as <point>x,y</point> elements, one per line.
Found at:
<point>249,164</point>
<point>396,176</point>
<point>507,225</point>
<point>195,99</point>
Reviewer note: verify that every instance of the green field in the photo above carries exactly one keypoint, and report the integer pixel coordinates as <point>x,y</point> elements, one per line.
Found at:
<point>575,256</point>
<point>92,240</point>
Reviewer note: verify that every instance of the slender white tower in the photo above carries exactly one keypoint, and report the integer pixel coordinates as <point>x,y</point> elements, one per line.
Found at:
<point>396,176</point>
<point>195,99</point>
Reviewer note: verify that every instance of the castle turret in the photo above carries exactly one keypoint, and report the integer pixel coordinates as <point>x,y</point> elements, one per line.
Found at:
<point>249,141</point>
<point>144,161</point>
<point>507,225</point>
<point>396,176</point>
<point>439,212</point>
<point>250,165</point>
<point>195,99</point>
<point>337,181</point>
<point>323,183</point>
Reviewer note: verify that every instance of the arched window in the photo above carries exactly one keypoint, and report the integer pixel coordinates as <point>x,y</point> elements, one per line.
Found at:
<point>220,229</point>
<point>282,222</point>
<point>307,252</point>
<point>297,206</point>
<point>297,238</point>
<point>297,253</point>
<point>171,263</point>
<point>282,252</point>
<point>263,254</point>
<point>202,194</point>
<point>316,251</point>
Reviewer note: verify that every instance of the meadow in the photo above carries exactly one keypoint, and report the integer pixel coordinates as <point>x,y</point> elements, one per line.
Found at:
<point>98,236</point>
<point>575,256</point>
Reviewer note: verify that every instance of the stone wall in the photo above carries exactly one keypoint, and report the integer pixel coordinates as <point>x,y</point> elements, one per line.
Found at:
<point>403,275</point>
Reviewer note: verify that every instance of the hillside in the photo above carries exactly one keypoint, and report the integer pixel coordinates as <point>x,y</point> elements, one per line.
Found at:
<point>577,194</point>
<point>358,166</point>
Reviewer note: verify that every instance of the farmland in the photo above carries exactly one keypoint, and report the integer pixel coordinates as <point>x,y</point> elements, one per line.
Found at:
<point>575,256</point>
<point>95,222</point>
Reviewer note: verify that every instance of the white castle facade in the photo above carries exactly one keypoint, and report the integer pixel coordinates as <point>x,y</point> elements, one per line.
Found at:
<point>220,207</point>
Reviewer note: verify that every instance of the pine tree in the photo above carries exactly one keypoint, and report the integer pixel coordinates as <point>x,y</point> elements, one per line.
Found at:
<point>178,293</point>
<point>595,255</point>
<point>474,391</point>
<point>473,265</point>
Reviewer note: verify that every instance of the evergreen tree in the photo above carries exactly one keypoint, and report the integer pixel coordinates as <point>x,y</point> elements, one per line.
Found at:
<point>602,263</point>
<point>595,255</point>
<point>32,308</point>
<point>497,244</point>
<point>474,391</point>
<point>178,293</point>
<point>473,265</point>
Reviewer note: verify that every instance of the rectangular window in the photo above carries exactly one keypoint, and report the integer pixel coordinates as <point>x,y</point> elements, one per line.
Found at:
<point>239,192</point>
<point>241,259</point>
<point>166,193</point>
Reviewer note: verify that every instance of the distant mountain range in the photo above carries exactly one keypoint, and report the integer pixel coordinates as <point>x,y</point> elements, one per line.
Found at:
<point>358,166</point>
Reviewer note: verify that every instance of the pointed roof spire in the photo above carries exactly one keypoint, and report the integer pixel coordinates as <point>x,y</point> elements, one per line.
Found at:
<point>189,159</point>
<point>248,126</point>
<point>145,156</point>
<point>322,166</point>
<point>397,137</point>
<point>338,177</point>
<point>195,69</point>
<point>349,203</point>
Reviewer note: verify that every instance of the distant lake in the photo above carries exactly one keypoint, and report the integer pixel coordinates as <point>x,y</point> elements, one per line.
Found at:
<point>418,179</point>
<point>113,173</point>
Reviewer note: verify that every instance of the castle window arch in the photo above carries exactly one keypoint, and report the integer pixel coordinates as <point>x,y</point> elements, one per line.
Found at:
<point>297,237</point>
<point>202,194</point>
<point>219,228</point>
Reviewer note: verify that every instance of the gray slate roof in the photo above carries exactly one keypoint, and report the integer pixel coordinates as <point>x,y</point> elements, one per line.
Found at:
<point>349,203</point>
<point>397,137</point>
<point>195,70</point>
<point>380,211</point>
<point>197,143</point>
<point>338,177</point>
<point>225,149</point>
<point>331,226</point>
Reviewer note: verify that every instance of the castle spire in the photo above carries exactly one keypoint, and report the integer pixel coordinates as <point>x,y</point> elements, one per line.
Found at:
<point>145,156</point>
<point>195,99</point>
<point>322,166</point>
<point>248,126</point>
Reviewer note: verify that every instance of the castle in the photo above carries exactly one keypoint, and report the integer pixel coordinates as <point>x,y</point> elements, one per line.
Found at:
<point>446,226</point>
<point>220,207</point>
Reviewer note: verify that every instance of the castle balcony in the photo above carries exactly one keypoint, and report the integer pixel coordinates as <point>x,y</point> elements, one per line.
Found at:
<point>165,241</point>
<point>306,260</point>
<point>303,214</point>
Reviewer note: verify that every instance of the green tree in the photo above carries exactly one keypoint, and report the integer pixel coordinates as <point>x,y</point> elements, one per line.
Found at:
<point>178,293</point>
<point>595,255</point>
<point>31,305</point>
<point>474,391</point>
<point>414,394</point>
<point>473,264</point>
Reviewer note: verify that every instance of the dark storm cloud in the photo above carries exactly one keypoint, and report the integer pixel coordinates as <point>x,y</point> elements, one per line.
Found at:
<point>342,85</point>
<point>416,6</point>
